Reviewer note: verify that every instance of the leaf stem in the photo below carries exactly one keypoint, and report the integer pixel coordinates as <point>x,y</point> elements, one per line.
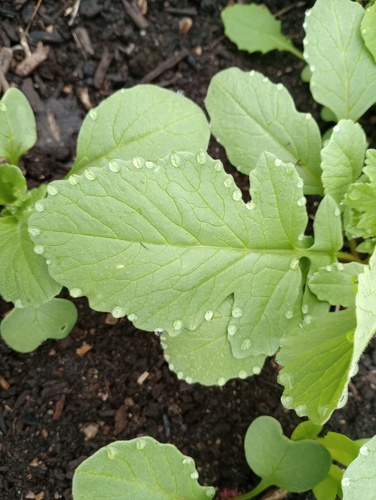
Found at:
<point>348,257</point>
<point>251,494</point>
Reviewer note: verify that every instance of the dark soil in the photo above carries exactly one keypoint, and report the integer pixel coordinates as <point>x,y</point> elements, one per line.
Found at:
<point>57,408</point>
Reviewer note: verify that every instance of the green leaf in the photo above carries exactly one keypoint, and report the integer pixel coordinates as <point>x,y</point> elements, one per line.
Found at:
<point>295,466</point>
<point>317,365</point>
<point>204,355</point>
<point>306,430</point>
<point>336,284</point>
<point>368,30</point>
<point>12,184</point>
<point>331,486</point>
<point>359,480</point>
<point>140,468</point>
<point>343,158</point>
<point>17,126</point>
<point>343,70</point>
<point>145,120</point>
<point>25,329</point>
<point>341,448</point>
<point>250,115</point>
<point>253,28</point>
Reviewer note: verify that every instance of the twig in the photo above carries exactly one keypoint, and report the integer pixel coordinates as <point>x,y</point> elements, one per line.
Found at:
<point>286,9</point>
<point>36,8</point>
<point>165,65</point>
<point>135,14</point>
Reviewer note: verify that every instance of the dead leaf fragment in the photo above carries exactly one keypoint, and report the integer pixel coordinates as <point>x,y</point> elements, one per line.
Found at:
<point>32,61</point>
<point>85,348</point>
<point>59,406</point>
<point>90,431</point>
<point>3,383</point>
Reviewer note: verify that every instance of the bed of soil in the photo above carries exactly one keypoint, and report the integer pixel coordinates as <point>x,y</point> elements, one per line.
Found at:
<point>57,407</point>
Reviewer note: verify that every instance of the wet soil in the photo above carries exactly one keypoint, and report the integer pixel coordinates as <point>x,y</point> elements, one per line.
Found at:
<point>57,407</point>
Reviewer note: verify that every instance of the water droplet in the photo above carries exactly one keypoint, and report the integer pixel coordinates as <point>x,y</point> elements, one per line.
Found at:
<point>304,25</point>
<point>72,180</point>
<point>237,312</point>
<point>265,80</point>
<point>120,266</point>
<point>307,319</point>
<point>180,375</point>
<point>337,212</point>
<point>252,72</point>
<point>118,312</point>
<point>171,367</point>
<point>323,411</point>
<point>164,346</point>
<point>237,195</point>
<point>354,370</point>
<point>301,237</point>
<point>221,381</point>
<point>34,231</point>
<point>246,344</point>
<point>289,314</point>
<point>52,190</point>
<point>228,181</point>
<point>18,304</point>
<point>308,116</point>
<point>308,13</point>
<point>111,452</point>
<point>48,262</point>
<point>302,201</point>
<point>112,165</point>
<point>210,491</point>
<point>140,444</point>
<point>242,374</point>
<point>39,249</point>
<point>202,156</point>
<point>256,370</point>
<point>218,166</point>
<point>187,461</point>
<point>300,183</point>
<point>305,42</point>
<point>194,475</point>
<point>132,317</point>
<point>250,205</point>
<point>290,169</point>
<point>336,128</point>
<point>279,86</point>
<point>39,207</point>
<point>329,268</point>
<point>312,68</point>
<point>75,292</point>
<point>277,162</point>
<point>158,331</point>
<point>286,379</point>
<point>177,324</point>
<point>231,330</point>
<point>304,308</point>
<point>345,482</point>
<point>209,315</point>
<point>294,264</point>
<point>301,410</point>
<point>364,31</point>
<point>218,140</point>
<point>3,106</point>
<point>93,114</point>
<point>167,357</point>
<point>189,380</point>
<point>354,194</point>
<point>89,175</point>
<point>137,162</point>
<point>287,402</point>
<point>150,164</point>
<point>364,451</point>
<point>340,266</point>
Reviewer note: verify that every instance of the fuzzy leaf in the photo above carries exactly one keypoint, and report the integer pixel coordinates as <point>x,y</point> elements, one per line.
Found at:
<point>343,70</point>
<point>12,184</point>
<point>368,30</point>
<point>25,329</point>
<point>254,28</point>
<point>139,468</point>
<point>343,158</point>
<point>145,120</point>
<point>17,126</point>
<point>250,114</point>
<point>317,365</point>
<point>359,479</point>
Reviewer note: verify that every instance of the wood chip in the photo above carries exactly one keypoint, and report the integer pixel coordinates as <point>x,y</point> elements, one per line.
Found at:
<point>32,61</point>
<point>102,68</point>
<point>143,6</point>
<point>85,348</point>
<point>3,383</point>
<point>90,431</point>
<point>6,56</point>
<point>32,95</point>
<point>185,24</point>
<point>135,14</point>
<point>141,379</point>
<point>165,65</point>
<point>59,406</point>
<point>82,39</point>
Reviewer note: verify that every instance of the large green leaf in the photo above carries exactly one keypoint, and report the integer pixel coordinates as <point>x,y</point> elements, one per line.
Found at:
<point>25,329</point>
<point>343,70</point>
<point>165,243</point>
<point>368,29</point>
<point>139,469</point>
<point>12,184</point>
<point>343,158</point>
<point>253,28</point>
<point>17,126</point>
<point>144,120</point>
<point>250,114</point>
<point>359,479</point>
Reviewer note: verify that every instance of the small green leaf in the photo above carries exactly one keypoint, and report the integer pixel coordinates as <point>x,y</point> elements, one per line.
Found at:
<point>25,329</point>
<point>331,486</point>
<point>250,114</point>
<point>141,468</point>
<point>341,448</point>
<point>144,120</point>
<point>359,480</point>
<point>368,29</point>
<point>306,430</point>
<point>295,466</point>
<point>17,126</point>
<point>317,362</point>
<point>336,284</point>
<point>204,355</point>
<point>253,28</point>
<point>333,47</point>
<point>343,158</point>
<point>12,184</point>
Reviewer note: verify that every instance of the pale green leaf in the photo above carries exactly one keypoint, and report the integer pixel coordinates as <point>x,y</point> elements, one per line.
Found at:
<point>317,363</point>
<point>25,329</point>
<point>331,486</point>
<point>306,430</point>
<point>343,158</point>
<point>341,448</point>
<point>12,184</point>
<point>204,355</point>
<point>144,120</point>
<point>17,126</point>
<point>336,284</point>
<point>250,114</point>
<point>368,29</point>
<point>343,70</point>
<point>139,469</point>
<point>253,28</point>
<point>359,480</point>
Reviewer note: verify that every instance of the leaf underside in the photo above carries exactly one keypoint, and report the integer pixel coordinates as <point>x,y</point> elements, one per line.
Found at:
<point>359,479</point>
